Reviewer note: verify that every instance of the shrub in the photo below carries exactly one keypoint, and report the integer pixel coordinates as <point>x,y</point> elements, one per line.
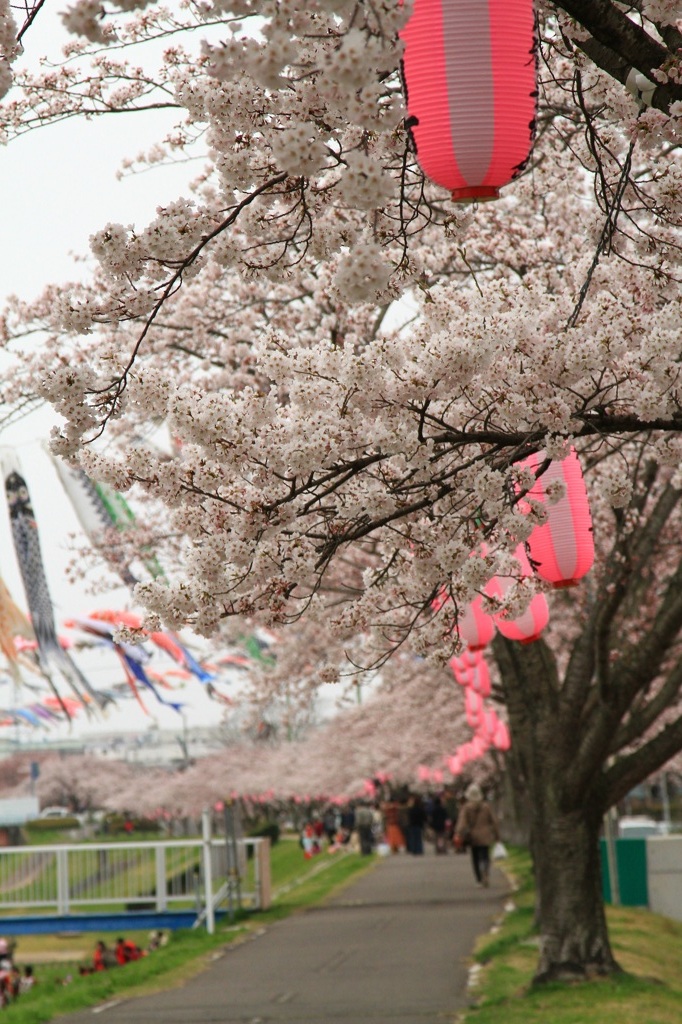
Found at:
<point>52,824</point>
<point>261,829</point>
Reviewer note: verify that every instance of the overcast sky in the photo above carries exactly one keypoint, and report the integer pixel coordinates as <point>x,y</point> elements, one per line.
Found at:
<point>59,185</point>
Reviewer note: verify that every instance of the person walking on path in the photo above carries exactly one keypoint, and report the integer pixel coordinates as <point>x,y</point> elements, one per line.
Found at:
<point>477,827</point>
<point>437,820</point>
<point>394,834</point>
<point>364,820</point>
<point>416,816</point>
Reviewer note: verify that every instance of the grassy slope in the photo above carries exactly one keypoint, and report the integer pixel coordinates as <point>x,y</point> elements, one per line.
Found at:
<point>187,952</point>
<point>648,947</point>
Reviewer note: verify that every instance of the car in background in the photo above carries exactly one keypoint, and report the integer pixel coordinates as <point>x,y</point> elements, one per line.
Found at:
<point>61,814</point>
<point>56,812</point>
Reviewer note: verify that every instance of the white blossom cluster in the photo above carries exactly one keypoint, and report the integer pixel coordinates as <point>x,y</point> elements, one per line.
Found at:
<point>351,372</point>
<point>8,45</point>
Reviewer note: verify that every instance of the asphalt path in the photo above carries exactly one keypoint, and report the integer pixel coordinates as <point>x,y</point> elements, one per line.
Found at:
<point>391,948</point>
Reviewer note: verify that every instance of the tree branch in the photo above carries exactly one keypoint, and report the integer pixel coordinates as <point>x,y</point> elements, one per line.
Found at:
<point>629,771</point>
<point>619,45</point>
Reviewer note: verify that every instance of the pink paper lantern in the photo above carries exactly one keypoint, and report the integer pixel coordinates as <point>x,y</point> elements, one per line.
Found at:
<point>437,776</point>
<point>502,739</point>
<point>473,707</point>
<point>480,680</point>
<point>423,773</point>
<point>478,746</point>
<point>562,549</point>
<point>474,627</point>
<point>527,627</point>
<point>470,88</point>
<point>488,725</point>
<point>454,765</point>
<point>469,658</point>
<point>461,672</point>
<point>464,753</point>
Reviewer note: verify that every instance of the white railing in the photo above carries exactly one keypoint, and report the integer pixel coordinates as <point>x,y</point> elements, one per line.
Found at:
<point>159,876</point>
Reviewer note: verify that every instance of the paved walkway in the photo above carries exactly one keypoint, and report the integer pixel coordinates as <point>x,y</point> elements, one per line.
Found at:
<point>391,948</point>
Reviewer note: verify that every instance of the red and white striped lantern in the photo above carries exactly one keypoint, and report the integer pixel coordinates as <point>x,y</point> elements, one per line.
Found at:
<point>488,725</point>
<point>527,627</point>
<point>470,84</point>
<point>562,549</point>
<point>480,680</point>
<point>463,664</point>
<point>476,679</point>
<point>478,746</point>
<point>474,626</point>
<point>502,739</point>
<point>474,708</point>
<point>469,658</point>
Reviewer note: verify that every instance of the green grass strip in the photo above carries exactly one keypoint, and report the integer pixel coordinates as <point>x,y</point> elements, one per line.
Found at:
<point>647,946</point>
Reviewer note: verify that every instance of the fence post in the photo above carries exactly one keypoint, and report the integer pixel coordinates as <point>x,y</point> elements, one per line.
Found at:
<point>63,881</point>
<point>264,890</point>
<point>208,869</point>
<point>161,884</point>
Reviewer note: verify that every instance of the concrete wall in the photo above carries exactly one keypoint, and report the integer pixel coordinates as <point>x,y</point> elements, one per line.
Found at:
<point>664,868</point>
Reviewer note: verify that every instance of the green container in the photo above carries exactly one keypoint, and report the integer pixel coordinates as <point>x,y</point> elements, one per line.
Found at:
<point>632,872</point>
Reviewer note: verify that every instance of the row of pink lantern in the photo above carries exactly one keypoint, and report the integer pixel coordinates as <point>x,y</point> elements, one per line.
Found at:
<point>561,552</point>
<point>471,672</point>
<point>470,89</point>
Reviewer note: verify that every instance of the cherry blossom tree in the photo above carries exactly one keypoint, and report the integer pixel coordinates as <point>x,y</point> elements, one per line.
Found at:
<point>351,369</point>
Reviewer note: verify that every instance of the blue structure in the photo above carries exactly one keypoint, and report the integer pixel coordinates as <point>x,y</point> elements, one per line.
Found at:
<point>51,924</point>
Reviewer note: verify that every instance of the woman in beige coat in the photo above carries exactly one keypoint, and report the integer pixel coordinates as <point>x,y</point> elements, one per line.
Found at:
<point>477,827</point>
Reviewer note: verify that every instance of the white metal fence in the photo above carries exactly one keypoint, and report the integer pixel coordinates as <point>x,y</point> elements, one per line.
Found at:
<point>158,876</point>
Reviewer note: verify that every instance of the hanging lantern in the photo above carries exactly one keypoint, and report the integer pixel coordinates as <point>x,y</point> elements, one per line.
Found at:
<point>562,549</point>
<point>526,627</point>
<point>478,746</point>
<point>488,725</point>
<point>473,706</point>
<point>502,739</point>
<point>480,680</point>
<point>474,627</point>
<point>476,679</point>
<point>469,658</point>
<point>470,89</point>
<point>465,753</point>
<point>462,665</point>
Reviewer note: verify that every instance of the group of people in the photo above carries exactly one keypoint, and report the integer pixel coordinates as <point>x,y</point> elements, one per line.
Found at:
<point>124,952</point>
<point>12,981</point>
<point>403,821</point>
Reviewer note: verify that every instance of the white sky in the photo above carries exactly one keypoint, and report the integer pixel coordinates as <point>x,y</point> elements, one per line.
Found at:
<point>59,186</point>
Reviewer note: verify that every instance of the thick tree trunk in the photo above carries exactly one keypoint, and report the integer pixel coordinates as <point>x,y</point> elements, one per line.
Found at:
<point>514,809</point>
<point>565,818</point>
<point>574,941</point>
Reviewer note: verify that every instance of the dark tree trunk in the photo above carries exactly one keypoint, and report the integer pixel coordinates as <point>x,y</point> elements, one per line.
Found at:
<point>514,809</point>
<point>574,940</point>
<point>565,819</point>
